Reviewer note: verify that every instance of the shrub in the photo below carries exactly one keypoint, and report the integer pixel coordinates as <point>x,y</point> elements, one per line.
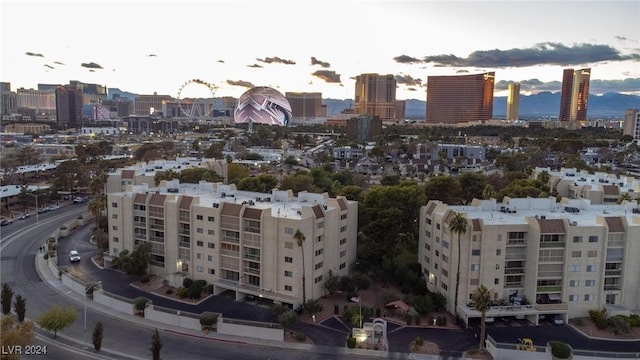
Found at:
<point>417,319</point>
<point>182,292</point>
<point>187,282</point>
<point>407,319</point>
<point>634,320</point>
<point>169,292</point>
<point>301,337</point>
<point>599,318</point>
<point>579,322</point>
<point>140,303</point>
<point>202,283</point>
<point>208,319</point>
<point>46,256</point>
<point>313,306</point>
<point>378,312</point>
<point>560,350</point>
<point>351,342</point>
<point>418,341</point>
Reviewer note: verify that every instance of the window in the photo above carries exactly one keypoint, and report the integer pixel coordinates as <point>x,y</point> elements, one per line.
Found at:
<point>212,271</point>
<point>445,258</point>
<point>343,229</point>
<point>588,297</point>
<point>199,243</point>
<point>199,217</point>
<point>438,226</point>
<point>428,221</point>
<point>437,252</point>
<point>444,272</point>
<point>475,267</point>
<point>576,254</point>
<point>475,252</point>
<point>199,256</point>
<point>209,257</point>
<point>343,241</point>
<point>319,238</point>
<point>496,281</point>
<point>321,225</point>
<point>577,239</point>
<point>498,252</point>
<point>427,246</point>
<point>288,273</point>
<point>288,230</point>
<point>343,253</point>
<point>592,253</point>
<point>288,245</point>
<point>474,237</point>
<point>573,297</point>
<point>114,216</point>
<point>115,251</point>
<point>589,283</point>
<point>319,252</point>
<point>115,239</point>
<point>445,244</point>
<point>444,286</point>
<point>343,265</point>
<point>343,216</point>
<point>114,227</point>
<point>591,268</point>
<point>574,283</point>
<point>593,239</point>
<point>435,266</point>
<point>427,259</point>
<point>319,265</point>
<point>428,233</point>
<point>199,268</point>
<point>211,218</point>
<point>438,239</point>
<point>114,204</point>
<point>318,279</point>
<point>211,232</point>
<point>497,266</point>
<point>288,259</point>
<point>211,245</point>
<point>288,288</point>
<point>574,268</point>
<point>199,230</point>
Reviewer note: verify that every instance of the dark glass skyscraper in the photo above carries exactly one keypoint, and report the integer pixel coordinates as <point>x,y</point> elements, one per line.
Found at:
<point>68,106</point>
<point>460,99</point>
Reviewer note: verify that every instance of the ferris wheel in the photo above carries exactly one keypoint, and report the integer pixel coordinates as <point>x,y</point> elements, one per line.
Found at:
<point>195,98</point>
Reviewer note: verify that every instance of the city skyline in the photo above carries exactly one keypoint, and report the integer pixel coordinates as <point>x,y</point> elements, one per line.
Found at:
<point>309,46</point>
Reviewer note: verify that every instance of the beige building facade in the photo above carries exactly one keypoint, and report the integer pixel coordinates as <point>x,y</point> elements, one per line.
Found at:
<point>538,257</point>
<point>236,240</point>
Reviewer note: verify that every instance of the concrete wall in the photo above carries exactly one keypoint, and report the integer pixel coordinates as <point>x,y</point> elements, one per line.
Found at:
<point>250,331</point>
<point>150,313</point>
<point>113,303</point>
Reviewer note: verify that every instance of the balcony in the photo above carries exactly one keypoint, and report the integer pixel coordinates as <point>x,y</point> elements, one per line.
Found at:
<point>514,271</point>
<point>517,242</point>
<point>142,224</point>
<point>549,288</point>
<point>551,244</point>
<point>251,257</point>
<point>612,287</point>
<point>613,272</point>
<point>513,285</point>
<point>552,307</point>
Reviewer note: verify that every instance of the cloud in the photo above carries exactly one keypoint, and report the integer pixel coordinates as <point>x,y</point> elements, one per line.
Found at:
<point>152,55</point>
<point>529,86</point>
<point>548,53</point>
<point>221,61</point>
<point>255,66</point>
<point>411,89</point>
<point>58,62</point>
<point>276,59</point>
<point>49,66</point>
<point>462,71</point>
<point>29,53</point>
<point>406,59</point>
<point>242,83</point>
<point>329,76</point>
<point>407,80</point>
<point>91,65</point>
<point>315,61</point>
<point>629,85</point>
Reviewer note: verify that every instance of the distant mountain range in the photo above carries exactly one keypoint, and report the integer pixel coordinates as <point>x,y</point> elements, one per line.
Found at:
<point>544,104</point>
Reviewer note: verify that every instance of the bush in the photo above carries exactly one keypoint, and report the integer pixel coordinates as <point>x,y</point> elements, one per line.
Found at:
<point>407,319</point>
<point>208,319</point>
<point>418,341</point>
<point>579,322</point>
<point>46,256</point>
<point>169,292</point>
<point>201,283</point>
<point>634,320</point>
<point>140,303</point>
<point>351,342</point>
<point>417,319</point>
<point>313,306</point>
<point>187,282</point>
<point>599,318</point>
<point>560,350</point>
<point>182,292</point>
<point>301,337</point>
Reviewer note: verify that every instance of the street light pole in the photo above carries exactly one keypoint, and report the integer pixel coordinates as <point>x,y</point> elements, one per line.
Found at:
<point>86,290</point>
<point>37,208</point>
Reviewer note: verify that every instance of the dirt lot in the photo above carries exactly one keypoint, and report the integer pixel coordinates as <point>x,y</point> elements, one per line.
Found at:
<point>587,327</point>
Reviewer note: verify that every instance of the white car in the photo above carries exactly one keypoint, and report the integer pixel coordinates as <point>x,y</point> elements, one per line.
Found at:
<point>74,256</point>
<point>558,320</point>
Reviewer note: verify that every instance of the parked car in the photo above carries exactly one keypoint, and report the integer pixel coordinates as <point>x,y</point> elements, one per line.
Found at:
<point>53,207</point>
<point>74,256</point>
<point>23,216</point>
<point>6,222</point>
<point>43,210</point>
<point>558,320</point>
<point>78,200</point>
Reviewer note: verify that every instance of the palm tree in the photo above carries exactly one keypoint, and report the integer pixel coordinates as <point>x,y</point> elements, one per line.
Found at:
<point>488,192</point>
<point>300,238</point>
<point>458,225</point>
<point>482,302</point>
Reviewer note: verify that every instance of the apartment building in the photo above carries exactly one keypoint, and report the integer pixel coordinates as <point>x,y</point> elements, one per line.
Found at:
<point>237,240</point>
<point>598,188</point>
<point>537,256</point>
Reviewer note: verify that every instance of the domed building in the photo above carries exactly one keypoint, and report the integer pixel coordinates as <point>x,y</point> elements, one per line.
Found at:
<point>263,105</point>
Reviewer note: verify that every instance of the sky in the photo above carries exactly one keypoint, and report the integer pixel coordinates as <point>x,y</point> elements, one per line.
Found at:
<point>145,46</point>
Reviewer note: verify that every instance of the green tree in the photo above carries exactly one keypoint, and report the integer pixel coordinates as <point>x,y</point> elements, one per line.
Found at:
<point>15,334</point>
<point>287,318</point>
<point>236,172</point>
<point>20,306</point>
<point>458,225</point>
<point>471,185</point>
<point>300,239</point>
<point>139,260</point>
<point>168,174</point>
<point>443,188</point>
<point>488,192</point>
<point>195,175</point>
<point>156,345</point>
<point>6,295</point>
<point>70,175</point>
<point>98,334</point>
<point>57,318</point>
<point>482,303</point>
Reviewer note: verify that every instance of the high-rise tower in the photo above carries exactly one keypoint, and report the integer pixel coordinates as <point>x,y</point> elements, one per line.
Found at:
<point>460,99</point>
<point>513,101</point>
<point>575,95</point>
<point>68,106</point>
<point>376,95</point>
